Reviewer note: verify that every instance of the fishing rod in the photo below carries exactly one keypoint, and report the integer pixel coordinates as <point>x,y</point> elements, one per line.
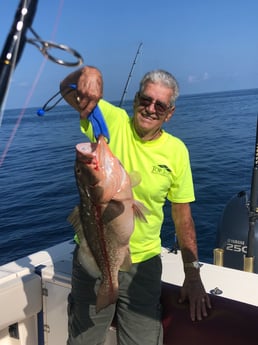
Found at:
<point>130,75</point>
<point>15,43</point>
<point>253,211</point>
<point>44,46</point>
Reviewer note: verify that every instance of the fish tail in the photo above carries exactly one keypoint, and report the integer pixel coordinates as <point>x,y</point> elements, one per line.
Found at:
<point>140,210</point>
<point>105,299</point>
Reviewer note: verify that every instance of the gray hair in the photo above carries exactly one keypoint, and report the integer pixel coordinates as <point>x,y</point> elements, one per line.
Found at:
<point>163,77</point>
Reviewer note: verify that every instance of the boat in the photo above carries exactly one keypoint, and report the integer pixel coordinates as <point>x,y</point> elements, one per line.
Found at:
<point>34,289</point>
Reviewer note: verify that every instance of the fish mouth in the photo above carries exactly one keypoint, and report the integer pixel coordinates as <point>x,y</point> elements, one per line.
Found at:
<point>86,148</point>
<point>86,152</point>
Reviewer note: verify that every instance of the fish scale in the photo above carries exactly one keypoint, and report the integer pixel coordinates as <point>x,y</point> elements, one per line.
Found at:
<point>100,229</point>
<point>104,220</point>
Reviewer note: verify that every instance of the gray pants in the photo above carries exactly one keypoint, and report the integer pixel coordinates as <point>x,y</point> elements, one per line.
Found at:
<point>137,311</point>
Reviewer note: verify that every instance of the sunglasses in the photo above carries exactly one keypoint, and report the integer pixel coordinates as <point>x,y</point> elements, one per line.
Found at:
<point>160,107</point>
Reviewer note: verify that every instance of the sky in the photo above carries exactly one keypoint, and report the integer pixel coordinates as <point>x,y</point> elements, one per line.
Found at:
<point>207,45</point>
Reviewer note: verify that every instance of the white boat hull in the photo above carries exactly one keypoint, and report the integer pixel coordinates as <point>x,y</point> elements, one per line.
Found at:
<point>28,299</point>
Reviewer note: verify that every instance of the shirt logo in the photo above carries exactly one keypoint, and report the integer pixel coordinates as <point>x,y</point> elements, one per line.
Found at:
<point>161,169</point>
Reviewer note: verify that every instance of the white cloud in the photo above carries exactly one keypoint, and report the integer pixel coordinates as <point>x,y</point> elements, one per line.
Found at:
<point>192,79</point>
<point>206,76</point>
<point>23,84</point>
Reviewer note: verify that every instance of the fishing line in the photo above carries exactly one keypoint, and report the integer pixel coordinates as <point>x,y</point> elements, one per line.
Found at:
<point>31,92</point>
<point>48,106</point>
<point>96,118</point>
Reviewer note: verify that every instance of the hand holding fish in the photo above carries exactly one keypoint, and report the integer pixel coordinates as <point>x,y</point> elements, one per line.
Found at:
<point>88,92</point>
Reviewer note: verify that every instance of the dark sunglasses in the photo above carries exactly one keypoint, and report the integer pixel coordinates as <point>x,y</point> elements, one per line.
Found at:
<point>160,107</point>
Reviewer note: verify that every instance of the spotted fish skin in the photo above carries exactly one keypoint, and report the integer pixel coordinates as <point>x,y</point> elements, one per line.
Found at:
<point>104,219</point>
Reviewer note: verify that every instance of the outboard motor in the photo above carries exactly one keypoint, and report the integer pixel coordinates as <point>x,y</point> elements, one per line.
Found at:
<point>233,233</point>
<point>238,228</point>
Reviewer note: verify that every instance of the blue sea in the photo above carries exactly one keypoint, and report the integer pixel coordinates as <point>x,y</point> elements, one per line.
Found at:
<point>37,184</point>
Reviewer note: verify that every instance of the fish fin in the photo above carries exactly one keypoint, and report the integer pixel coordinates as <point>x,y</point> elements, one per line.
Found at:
<point>126,265</point>
<point>140,211</point>
<point>75,220</point>
<point>87,260</point>
<point>85,255</point>
<point>104,299</point>
<point>135,178</point>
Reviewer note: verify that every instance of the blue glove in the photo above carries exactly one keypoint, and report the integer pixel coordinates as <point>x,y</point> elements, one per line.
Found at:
<point>98,123</point>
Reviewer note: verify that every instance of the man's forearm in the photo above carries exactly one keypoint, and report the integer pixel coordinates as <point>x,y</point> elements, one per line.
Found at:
<point>185,230</point>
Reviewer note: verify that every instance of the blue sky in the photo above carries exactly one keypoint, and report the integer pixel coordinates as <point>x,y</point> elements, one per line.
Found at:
<point>208,45</point>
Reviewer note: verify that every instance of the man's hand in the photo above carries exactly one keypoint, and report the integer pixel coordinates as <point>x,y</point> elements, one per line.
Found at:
<point>89,89</point>
<point>199,301</point>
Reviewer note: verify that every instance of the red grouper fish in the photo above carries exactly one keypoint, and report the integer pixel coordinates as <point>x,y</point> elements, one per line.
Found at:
<point>104,220</point>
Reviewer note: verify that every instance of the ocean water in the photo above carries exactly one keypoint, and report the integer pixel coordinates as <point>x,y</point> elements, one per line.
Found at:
<point>37,184</point>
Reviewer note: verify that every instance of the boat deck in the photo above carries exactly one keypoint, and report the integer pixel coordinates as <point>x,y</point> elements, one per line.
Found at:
<point>34,290</point>
<point>229,321</point>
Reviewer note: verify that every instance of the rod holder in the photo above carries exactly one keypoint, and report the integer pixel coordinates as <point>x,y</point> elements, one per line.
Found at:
<point>218,256</point>
<point>249,264</point>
